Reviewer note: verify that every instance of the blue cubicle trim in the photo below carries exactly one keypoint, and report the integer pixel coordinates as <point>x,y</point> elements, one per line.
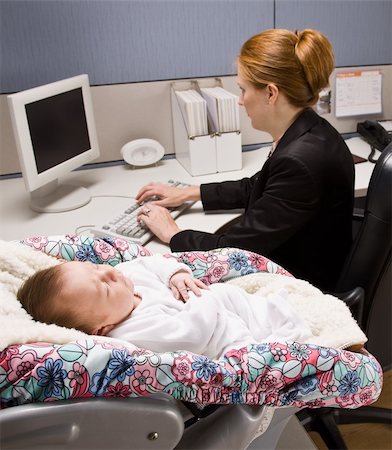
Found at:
<point>245,148</point>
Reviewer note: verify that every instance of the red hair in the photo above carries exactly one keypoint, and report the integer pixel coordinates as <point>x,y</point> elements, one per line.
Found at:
<point>299,63</point>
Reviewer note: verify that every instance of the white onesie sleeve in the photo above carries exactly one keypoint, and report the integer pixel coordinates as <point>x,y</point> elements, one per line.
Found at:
<point>157,265</point>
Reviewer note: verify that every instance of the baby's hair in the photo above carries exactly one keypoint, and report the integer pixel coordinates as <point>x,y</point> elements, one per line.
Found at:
<point>38,294</point>
<point>299,63</point>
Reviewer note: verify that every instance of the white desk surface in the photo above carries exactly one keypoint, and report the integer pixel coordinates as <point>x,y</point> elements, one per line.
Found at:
<point>19,221</point>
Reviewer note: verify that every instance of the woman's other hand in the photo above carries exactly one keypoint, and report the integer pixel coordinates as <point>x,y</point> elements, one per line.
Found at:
<point>181,283</point>
<point>159,221</point>
<point>166,195</point>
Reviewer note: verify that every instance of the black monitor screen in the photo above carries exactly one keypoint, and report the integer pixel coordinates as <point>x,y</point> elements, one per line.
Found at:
<point>58,128</point>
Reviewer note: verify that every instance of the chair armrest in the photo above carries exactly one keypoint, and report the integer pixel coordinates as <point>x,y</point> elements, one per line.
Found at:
<point>354,299</point>
<point>149,422</point>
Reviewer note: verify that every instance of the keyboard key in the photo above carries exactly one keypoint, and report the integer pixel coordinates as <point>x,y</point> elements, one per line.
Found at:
<point>125,225</point>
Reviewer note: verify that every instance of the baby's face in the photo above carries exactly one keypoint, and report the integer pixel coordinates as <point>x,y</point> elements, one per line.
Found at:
<point>98,292</point>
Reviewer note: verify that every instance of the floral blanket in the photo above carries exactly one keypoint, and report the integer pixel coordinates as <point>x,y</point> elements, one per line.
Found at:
<point>275,374</point>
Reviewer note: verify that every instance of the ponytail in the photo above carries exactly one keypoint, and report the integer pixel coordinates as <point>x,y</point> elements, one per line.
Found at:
<point>316,57</point>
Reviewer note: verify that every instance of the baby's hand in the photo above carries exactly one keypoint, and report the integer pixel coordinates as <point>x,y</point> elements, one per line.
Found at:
<point>182,282</point>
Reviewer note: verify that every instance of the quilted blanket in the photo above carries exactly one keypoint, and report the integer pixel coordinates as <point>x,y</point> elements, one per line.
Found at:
<point>329,318</point>
<point>275,374</point>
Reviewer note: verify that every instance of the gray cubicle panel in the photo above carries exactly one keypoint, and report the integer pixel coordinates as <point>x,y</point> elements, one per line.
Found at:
<point>124,41</point>
<point>121,44</point>
<point>360,30</point>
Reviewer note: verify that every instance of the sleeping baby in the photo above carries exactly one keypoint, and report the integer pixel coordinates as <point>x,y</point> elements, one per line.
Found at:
<point>155,302</point>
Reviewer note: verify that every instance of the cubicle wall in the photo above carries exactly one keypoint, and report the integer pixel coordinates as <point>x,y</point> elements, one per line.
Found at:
<point>133,49</point>
<point>360,30</point>
<point>125,41</point>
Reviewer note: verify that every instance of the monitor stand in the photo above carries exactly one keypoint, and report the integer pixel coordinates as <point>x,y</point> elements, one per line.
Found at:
<point>55,198</point>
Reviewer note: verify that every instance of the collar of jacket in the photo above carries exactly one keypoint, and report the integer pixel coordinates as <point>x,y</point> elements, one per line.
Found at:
<point>307,119</point>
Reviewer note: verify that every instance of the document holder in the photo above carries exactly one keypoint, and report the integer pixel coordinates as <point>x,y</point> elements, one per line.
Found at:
<point>206,154</point>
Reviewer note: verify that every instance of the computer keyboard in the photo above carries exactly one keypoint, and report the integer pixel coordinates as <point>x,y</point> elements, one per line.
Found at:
<point>124,225</point>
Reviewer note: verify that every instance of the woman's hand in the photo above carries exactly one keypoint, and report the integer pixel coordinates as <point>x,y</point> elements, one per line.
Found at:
<point>159,221</point>
<point>181,283</point>
<point>166,195</point>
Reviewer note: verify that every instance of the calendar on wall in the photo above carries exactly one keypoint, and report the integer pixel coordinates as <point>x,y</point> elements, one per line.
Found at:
<point>358,93</point>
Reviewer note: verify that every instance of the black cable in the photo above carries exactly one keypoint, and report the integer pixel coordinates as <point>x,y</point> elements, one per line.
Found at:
<point>371,155</point>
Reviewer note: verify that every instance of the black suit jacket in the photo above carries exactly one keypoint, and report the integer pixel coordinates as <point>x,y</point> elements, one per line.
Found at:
<point>298,207</point>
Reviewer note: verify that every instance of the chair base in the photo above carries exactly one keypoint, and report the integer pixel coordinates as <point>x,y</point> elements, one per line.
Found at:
<point>325,421</point>
<point>366,414</point>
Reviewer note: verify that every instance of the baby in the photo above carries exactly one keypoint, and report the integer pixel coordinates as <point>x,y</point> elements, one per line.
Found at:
<point>154,302</point>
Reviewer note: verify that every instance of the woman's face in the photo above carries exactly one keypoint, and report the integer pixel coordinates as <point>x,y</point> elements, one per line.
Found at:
<point>255,102</point>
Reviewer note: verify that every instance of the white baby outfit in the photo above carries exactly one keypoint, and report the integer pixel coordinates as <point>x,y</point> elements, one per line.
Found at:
<point>223,318</point>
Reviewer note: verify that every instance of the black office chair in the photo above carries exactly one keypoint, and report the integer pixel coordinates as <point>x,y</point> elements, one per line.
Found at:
<point>366,284</point>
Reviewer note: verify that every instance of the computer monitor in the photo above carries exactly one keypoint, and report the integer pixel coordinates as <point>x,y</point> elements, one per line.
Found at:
<point>55,133</point>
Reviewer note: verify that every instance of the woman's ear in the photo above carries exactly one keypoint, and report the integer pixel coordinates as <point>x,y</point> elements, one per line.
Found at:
<point>103,331</point>
<point>273,93</point>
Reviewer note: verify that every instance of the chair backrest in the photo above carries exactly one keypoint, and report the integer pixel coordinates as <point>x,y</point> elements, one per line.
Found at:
<point>369,260</point>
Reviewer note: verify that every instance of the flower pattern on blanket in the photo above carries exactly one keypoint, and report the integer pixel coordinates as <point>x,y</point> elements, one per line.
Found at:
<point>211,266</point>
<point>302,375</point>
<point>85,248</point>
<point>275,374</point>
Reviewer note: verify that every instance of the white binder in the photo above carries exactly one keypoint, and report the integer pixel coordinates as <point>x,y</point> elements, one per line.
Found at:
<point>205,154</point>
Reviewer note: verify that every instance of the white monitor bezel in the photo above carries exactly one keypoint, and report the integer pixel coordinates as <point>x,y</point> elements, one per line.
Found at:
<point>17,104</point>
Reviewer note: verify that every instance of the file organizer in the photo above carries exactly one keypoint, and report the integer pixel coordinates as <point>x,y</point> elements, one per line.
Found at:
<point>206,154</point>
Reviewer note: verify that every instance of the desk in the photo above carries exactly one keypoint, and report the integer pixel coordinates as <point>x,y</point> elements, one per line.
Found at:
<point>19,221</point>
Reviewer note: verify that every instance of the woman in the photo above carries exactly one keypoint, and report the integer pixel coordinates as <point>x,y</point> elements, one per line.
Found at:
<point>298,206</point>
